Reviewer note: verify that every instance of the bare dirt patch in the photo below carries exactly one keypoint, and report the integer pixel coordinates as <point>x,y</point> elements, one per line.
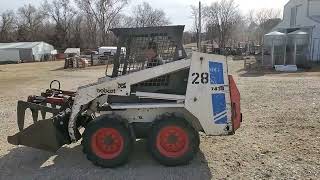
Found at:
<point>279,138</point>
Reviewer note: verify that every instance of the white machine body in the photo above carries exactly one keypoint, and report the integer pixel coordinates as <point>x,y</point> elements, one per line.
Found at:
<point>206,103</point>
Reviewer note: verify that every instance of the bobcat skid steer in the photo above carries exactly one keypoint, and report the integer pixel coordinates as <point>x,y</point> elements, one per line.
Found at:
<point>154,91</point>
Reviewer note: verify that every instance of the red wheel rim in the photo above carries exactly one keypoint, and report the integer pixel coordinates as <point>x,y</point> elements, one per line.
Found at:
<point>107,143</point>
<point>172,141</point>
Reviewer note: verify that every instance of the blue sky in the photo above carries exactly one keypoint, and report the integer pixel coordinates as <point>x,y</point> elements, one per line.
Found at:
<point>177,10</point>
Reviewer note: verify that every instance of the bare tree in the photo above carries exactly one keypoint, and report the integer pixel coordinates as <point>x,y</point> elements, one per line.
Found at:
<point>195,17</point>
<point>221,17</point>
<point>126,21</point>
<point>59,23</point>
<point>193,34</point>
<point>29,22</point>
<point>104,12</point>
<point>76,29</point>
<point>62,13</point>
<point>266,19</point>
<point>48,33</point>
<point>189,37</point>
<point>263,15</point>
<point>145,16</point>
<point>7,22</point>
<point>90,33</point>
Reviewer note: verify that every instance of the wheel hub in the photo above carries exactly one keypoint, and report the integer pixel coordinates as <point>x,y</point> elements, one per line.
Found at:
<point>172,141</point>
<point>108,140</point>
<point>107,143</point>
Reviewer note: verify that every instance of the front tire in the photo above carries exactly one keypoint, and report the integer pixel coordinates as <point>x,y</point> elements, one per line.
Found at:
<point>107,142</point>
<point>173,142</point>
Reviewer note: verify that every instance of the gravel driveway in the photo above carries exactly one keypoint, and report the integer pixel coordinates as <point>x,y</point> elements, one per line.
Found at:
<point>279,138</point>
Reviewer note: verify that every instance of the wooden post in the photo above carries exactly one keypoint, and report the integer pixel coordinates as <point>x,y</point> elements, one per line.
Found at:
<point>285,53</point>
<point>262,52</point>
<point>295,54</point>
<point>116,60</point>
<point>199,38</point>
<point>272,54</point>
<point>127,58</point>
<point>91,59</point>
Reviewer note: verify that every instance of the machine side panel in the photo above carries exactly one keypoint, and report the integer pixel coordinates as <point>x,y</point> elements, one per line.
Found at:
<point>119,86</point>
<point>219,108</point>
<point>208,94</point>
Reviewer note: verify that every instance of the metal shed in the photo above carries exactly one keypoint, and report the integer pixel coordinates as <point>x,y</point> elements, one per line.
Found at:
<point>25,51</point>
<point>303,15</point>
<point>73,51</point>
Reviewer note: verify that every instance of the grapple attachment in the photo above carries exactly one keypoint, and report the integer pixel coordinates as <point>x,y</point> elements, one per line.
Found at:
<point>46,134</point>
<point>23,106</point>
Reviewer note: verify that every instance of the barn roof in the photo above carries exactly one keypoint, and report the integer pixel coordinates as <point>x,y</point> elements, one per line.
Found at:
<point>19,45</point>
<point>72,51</point>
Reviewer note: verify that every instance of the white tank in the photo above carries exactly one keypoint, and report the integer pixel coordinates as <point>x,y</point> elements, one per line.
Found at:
<point>298,37</point>
<point>274,38</point>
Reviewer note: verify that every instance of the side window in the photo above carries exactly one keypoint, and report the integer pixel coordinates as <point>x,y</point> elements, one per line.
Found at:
<point>314,6</point>
<point>293,17</point>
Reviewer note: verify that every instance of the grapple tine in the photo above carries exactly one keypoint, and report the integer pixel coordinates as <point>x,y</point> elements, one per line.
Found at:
<point>35,115</point>
<point>43,113</point>
<point>21,111</point>
<point>54,107</point>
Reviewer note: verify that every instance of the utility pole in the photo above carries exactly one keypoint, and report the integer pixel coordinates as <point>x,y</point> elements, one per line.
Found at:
<point>199,31</point>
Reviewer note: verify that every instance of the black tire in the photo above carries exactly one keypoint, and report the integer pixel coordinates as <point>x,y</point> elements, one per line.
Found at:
<point>186,155</point>
<point>92,150</point>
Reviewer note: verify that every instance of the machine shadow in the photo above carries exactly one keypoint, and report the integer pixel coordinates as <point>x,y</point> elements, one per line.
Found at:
<point>58,69</point>
<point>72,160</point>
<point>67,70</point>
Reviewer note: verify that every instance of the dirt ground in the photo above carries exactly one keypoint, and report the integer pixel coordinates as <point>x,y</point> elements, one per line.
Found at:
<point>279,138</point>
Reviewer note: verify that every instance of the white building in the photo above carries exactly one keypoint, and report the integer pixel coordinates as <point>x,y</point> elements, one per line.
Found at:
<point>303,15</point>
<point>25,51</point>
<point>110,50</point>
<point>73,51</point>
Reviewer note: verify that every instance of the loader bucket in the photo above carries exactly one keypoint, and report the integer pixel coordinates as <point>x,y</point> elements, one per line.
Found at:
<point>42,135</point>
<point>48,134</point>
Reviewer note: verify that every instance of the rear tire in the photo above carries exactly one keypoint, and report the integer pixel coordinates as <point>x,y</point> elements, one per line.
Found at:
<point>107,142</point>
<point>173,142</point>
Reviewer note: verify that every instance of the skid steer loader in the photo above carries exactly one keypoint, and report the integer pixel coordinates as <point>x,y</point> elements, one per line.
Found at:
<point>153,91</point>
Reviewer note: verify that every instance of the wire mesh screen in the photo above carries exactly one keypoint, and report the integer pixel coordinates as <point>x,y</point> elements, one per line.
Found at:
<point>160,81</point>
<point>147,52</point>
<point>147,48</point>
